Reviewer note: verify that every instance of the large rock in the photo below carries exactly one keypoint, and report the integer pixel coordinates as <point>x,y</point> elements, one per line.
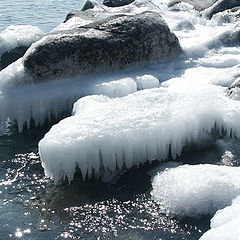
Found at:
<point>113,43</point>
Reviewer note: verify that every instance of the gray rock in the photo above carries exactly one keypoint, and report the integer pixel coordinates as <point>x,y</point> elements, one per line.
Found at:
<point>222,5</point>
<point>11,56</point>
<point>226,39</point>
<point>117,3</point>
<point>110,44</point>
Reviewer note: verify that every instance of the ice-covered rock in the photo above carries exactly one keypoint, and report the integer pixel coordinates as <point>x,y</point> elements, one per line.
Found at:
<point>15,40</point>
<point>143,126</point>
<point>193,190</point>
<point>110,44</point>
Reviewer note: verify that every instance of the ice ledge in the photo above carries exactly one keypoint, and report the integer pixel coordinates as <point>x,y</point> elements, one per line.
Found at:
<point>109,134</point>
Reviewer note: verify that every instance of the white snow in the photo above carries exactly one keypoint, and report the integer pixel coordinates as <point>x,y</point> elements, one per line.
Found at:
<point>141,126</point>
<point>16,36</point>
<point>225,223</point>
<point>194,190</point>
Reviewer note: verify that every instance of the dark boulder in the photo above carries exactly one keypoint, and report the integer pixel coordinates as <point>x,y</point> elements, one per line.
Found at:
<point>117,3</point>
<point>89,4</point>
<point>109,44</point>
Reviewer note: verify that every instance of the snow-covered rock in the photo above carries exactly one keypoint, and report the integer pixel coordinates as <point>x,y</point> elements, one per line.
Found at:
<point>15,40</point>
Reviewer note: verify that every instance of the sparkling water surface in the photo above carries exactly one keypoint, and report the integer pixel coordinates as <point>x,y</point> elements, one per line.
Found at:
<point>31,207</point>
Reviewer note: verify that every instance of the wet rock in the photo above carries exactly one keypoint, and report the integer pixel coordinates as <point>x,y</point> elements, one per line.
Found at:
<point>117,3</point>
<point>109,44</point>
<point>89,4</point>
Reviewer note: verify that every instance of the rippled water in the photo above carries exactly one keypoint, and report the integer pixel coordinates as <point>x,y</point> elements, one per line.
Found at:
<point>45,14</point>
<point>33,208</point>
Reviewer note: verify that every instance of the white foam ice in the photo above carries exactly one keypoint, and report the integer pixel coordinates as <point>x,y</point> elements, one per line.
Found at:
<point>225,223</point>
<point>194,190</point>
<point>17,36</point>
<point>140,127</point>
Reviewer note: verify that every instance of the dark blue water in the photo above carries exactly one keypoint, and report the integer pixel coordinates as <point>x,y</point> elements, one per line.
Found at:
<point>31,207</point>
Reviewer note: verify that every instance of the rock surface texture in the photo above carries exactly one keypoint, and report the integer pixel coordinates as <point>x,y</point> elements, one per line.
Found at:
<point>113,43</point>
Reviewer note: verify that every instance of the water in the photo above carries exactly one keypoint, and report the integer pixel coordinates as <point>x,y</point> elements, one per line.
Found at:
<point>32,208</point>
<point>45,14</point>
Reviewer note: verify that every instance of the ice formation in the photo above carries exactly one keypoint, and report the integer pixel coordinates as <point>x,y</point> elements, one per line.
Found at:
<point>39,101</point>
<point>225,223</point>
<point>16,36</point>
<point>193,190</point>
<point>142,126</point>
